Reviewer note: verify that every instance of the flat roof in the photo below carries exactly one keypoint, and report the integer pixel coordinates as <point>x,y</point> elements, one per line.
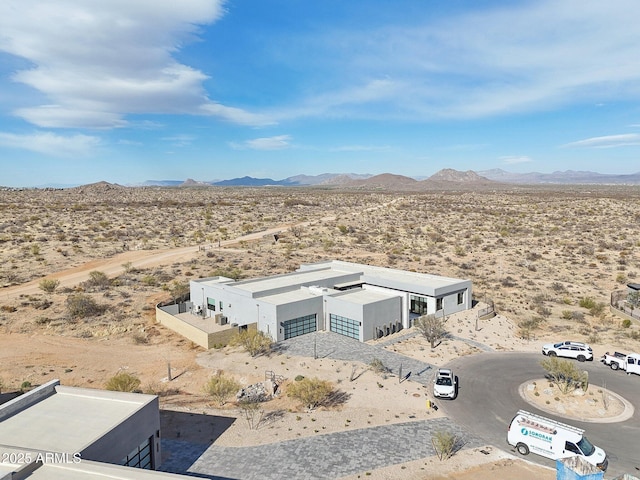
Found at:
<point>69,420</point>
<point>288,297</point>
<point>363,297</point>
<point>290,279</point>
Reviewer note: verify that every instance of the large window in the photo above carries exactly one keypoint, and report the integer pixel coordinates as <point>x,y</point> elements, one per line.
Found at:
<point>438,304</point>
<point>418,305</point>
<point>211,304</point>
<point>299,326</point>
<point>344,326</point>
<point>140,457</point>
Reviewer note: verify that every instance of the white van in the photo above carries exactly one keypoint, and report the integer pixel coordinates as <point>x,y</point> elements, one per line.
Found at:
<point>529,432</point>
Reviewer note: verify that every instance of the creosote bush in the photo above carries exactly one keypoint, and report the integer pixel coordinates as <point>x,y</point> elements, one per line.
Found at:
<point>123,382</point>
<point>565,374</point>
<point>311,392</point>
<point>80,305</point>
<point>253,341</point>
<point>49,285</point>
<point>220,387</point>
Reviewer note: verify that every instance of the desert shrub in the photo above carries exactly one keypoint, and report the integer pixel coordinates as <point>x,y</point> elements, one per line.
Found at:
<point>311,392</point>
<point>564,373</point>
<point>26,385</point>
<point>587,302</point>
<point>98,280</point>
<point>378,367</point>
<point>508,281</point>
<point>123,382</point>
<point>626,323</point>
<point>445,444</point>
<point>253,413</point>
<point>220,387</point>
<point>49,285</point>
<point>299,377</point>
<point>1,384</point>
<point>526,327</point>
<point>578,316</point>
<point>253,341</point>
<point>80,305</point>
<point>598,309</point>
<point>567,315</point>
<point>149,280</point>
<point>558,287</point>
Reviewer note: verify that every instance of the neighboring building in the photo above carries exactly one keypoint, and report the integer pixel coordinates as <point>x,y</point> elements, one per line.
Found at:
<point>54,432</point>
<point>360,301</point>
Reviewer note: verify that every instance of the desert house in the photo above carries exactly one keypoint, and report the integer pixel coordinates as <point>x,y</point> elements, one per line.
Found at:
<point>360,301</point>
<point>54,431</point>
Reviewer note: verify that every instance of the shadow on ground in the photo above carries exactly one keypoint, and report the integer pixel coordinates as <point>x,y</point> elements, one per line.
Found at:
<point>186,436</point>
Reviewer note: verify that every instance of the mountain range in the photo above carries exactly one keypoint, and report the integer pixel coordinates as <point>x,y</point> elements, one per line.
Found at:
<point>444,178</point>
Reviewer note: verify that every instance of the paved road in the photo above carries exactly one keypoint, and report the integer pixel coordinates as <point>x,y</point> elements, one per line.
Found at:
<point>488,399</point>
<point>324,456</point>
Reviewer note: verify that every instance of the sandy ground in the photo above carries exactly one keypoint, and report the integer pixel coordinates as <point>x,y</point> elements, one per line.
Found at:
<point>536,254</point>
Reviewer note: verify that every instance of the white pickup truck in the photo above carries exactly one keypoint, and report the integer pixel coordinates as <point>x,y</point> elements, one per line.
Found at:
<point>621,361</point>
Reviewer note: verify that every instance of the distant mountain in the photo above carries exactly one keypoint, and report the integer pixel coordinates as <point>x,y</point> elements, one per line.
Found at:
<point>253,182</point>
<point>456,176</point>
<point>447,178</point>
<point>569,177</point>
<point>159,183</point>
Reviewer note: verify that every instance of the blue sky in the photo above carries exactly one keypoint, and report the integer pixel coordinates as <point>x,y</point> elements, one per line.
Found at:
<point>131,90</point>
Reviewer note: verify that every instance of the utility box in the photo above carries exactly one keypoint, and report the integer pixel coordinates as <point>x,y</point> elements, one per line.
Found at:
<point>577,468</point>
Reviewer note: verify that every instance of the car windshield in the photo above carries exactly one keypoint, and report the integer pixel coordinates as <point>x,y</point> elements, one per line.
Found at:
<point>558,345</point>
<point>586,446</point>
<point>444,381</point>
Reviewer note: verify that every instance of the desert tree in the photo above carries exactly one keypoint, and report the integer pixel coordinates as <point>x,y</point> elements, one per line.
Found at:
<point>220,387</point>
<point>253,413</point>
<point>432,328</point>
<point>565,374</point>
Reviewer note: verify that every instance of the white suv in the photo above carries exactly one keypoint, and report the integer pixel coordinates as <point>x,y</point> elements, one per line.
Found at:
<point>445,384</point>
<point>578,350</point>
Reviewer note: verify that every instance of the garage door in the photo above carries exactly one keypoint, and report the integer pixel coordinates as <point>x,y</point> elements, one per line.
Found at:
<point>344,326</point>
<point>299,326</point>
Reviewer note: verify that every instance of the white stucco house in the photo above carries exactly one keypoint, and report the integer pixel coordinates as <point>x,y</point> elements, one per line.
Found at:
<point>360,301</point>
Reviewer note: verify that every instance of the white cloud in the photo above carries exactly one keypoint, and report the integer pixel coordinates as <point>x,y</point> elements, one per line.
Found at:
<point>515,159</point>
<point>479,63</point>
<point>97,62</point>
<point>51,144</point>
<point>608,141</point>
<point>279,142</point>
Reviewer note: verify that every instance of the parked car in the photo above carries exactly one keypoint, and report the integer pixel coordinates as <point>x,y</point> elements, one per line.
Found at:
<point>578,350</point>
<point>621,361</point>
<point>445,385</point>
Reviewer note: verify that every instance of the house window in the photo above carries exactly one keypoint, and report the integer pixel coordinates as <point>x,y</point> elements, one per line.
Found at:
<point>418,305</point>
<point>211,304</point>
<point>220,305</point>
<point>460,298</point>
<point>438,304</point>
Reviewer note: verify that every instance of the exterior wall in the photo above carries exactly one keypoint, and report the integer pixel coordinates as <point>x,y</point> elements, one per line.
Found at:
<point>122,439</point>
<point>339,306</point>
<point>193,333</point>
<point>293,310</point>
<point>188,331</point>
<point>381,315</point>
<point>404,298</point>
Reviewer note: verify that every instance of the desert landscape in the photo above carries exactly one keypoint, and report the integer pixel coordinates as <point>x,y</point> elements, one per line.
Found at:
<point>547,257</point>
